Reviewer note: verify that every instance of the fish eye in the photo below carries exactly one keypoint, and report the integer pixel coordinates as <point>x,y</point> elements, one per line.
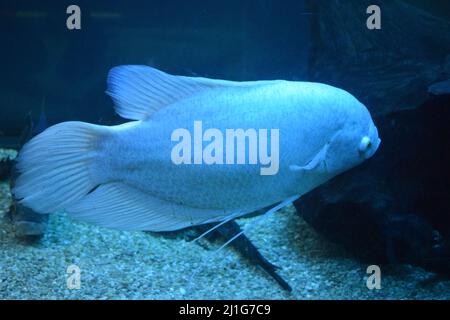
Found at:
<point>365,144</point>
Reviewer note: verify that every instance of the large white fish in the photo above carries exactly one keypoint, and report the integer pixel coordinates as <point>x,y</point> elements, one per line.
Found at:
<point>123,176</point>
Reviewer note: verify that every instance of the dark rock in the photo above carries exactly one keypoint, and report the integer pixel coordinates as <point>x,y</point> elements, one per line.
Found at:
<point>28,224</point>
<point>388,69</point>
<point>28,228</point>
<point>6,166</point>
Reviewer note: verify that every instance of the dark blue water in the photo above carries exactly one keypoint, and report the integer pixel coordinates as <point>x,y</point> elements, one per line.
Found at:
<point>42,60</point>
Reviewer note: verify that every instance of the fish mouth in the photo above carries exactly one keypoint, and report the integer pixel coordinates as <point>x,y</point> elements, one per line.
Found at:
<point>373,149</point>
<point>375,139</point>
<point>378,143</point>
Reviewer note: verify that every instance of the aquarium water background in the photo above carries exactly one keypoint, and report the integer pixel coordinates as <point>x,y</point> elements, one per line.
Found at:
<point>44,61</point>
<point>322,246</point>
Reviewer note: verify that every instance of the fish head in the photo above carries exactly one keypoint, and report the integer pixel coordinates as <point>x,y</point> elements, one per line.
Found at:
<point>356,141</point>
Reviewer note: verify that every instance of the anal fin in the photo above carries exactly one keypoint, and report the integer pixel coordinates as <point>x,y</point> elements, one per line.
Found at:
<point>119,206</point>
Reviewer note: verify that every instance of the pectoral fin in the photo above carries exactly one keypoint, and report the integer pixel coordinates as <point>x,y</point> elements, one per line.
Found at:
<point>316,163</point>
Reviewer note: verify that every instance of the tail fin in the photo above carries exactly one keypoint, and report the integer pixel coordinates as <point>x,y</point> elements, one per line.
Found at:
<point>57,166</point>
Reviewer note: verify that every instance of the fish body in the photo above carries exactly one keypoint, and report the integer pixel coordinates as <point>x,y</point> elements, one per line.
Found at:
<point>124,176</point>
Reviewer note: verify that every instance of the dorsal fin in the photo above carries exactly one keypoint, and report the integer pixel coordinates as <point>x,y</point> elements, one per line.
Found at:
<point>139,91</point>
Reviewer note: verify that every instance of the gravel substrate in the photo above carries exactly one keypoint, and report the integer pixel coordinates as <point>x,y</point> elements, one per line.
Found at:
<point>138,265</point>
